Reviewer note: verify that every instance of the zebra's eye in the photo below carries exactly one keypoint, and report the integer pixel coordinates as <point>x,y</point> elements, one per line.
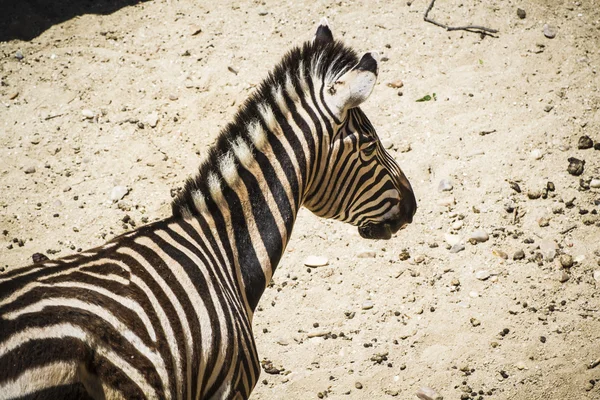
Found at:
<point>370,148</point>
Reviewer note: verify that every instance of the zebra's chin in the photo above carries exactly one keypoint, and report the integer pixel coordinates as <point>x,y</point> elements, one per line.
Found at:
<point>377,231</point>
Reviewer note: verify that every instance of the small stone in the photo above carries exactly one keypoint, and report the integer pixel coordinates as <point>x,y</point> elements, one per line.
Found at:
<point>521,365</point>
<point>367,305</point>
<point>118,192</point>
<point>479,236</point>
<point>519,255</point>
<point>404,255</point>
<point>543,222</point>
<point>38,258</point>
<point>457,248</point>
<point>549,31</point>
<point>358,385</point>
<point>566,260</point>
<point>575,166</point>
<point>447,201</point>
<point>550,186</point>
<point>452,239</point>
<point>87,113</point>
<point>262,13</point>
<point>366,254</point>
<point>596,275</point>
<point>152,119</point>
<point>173,97</point>
<point>585,142</point>
<point>536,154</point>
<point>595,183</point>
<point>515,186</point>
<point>548,108</point>
<point>13,95</point>
<point>457,225</point>
<point>521,13</point>
<point>509,206</point>
<point>419,259</point>
<point>19,55</point>
<point>455,282</point>
<point>482,275</point>
<point>597,146</point>
<point>534,194</point>
<point>563,276</point>
<point>29,170</point>
<point>500,253</point>
<point>316,261</point>
<point>445,185</point>
<point>397,84</point>
<point>426,393</point>
<point>475,322</point>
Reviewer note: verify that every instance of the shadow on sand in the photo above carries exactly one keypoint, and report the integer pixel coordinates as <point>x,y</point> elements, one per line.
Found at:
<point>26,19</point>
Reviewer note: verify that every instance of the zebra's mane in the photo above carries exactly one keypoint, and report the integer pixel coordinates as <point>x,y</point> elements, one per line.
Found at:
<point>313,61</point>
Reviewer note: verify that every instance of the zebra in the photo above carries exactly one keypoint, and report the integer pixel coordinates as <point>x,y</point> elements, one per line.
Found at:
<point>165,311</point>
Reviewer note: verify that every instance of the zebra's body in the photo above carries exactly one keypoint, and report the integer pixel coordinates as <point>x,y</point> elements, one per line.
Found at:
<point>165,311</point>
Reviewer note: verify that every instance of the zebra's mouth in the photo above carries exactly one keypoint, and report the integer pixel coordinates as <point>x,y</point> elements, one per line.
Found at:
<point>383,230</point>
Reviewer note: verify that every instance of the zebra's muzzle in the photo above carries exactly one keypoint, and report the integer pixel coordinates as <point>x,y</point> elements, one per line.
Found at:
<point>383,230</point>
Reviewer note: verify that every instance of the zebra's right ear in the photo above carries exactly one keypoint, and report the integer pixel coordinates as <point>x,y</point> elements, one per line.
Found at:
<point>355,86</point>
<point>323,35</point>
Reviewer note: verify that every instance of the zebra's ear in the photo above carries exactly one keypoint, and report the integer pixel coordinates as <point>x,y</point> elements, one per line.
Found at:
<point>355,86</point>
<point>323,34</point>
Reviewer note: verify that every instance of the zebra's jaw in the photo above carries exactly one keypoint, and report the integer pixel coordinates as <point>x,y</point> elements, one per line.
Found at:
<point>378,231</point>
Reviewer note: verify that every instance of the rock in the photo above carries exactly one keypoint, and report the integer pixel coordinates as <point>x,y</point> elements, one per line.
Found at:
<point>319,333</point>
<point>457,248</point>
<point>585,142</point>
<point>397,84</point>
<point>366,254</point>
<point>475,322</point>
<point>38,258</point>
<point>519,255</point>
<point>367,305</point>
<point>575,166</point>
<point>597,275</point>
<point>19,55</point>
<point>515,186</point>
<point>455,282</point>
<point>452,239</point>
<point>548,249</point>
<point>482,275</point>
<point>152,119</point>
<point>548,108</point>
<point>29,170</point>
<point>563,276</point>
<point>521,13</point>
<point>500,253</point>
<point>543,222</point>
<point>358,385</point>
<point>479,236</point>
<point>549,31</point>
<point>426,393</point>
<point>597,146</point>
<point>550,186</point>
<point>457,225</point>
<point>447,201</point>
<point>118,192</point>
<point>173,97</point>
<point>534,194</point>
<point>509,206</point>
<point>404,255</point>
<point>87,113</point>
<point>316,261</point>
<point>521,365</point>
<point>595,183</point>
<point>536,154</point>
<point>13,95</point>
<point>566,261</point>
<point>445,185</point>
<point>262,13</point>
<point>419,259</point>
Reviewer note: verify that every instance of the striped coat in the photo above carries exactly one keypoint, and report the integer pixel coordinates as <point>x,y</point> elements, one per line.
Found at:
<point>165,311</point>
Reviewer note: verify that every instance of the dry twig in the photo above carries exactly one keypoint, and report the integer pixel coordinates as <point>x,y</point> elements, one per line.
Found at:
<point>470,28</point>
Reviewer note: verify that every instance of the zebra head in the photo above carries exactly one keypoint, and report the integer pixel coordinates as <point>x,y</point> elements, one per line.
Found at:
<point>358,182</point>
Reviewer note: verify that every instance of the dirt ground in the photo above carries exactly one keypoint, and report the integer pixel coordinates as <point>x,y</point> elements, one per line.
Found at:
<point>132,95</point>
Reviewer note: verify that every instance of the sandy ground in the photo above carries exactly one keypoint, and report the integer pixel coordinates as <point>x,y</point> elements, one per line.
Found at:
<point>384,318</point>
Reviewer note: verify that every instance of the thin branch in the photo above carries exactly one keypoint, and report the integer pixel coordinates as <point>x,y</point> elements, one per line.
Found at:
<point>471,28</point>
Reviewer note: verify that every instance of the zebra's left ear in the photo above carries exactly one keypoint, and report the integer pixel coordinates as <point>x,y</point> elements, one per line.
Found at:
<point>323,34</point>
<point>355,86</point>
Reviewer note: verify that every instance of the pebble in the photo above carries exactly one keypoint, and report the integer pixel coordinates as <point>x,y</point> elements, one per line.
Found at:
<point>475,322</point>
<point>452,239</point>
<point>597,275</point>
<point>597,146</point>
<point>537,154</point>
<point>479,236</point>
<point>457,248</point>
<point>419,259</point>
<point>19,55</point>
<point>173,97</point>
<point>397,84</point>
<point>316,261</point>
<point>566,261</point>
<point>457,225</point>
<point>548,249</point>
<point>447,201</point>
<point>29,170</point>
<point>87,113</point>
<point>445,185</point>
<point>13,95</point>
<point>482,275</point>
<point>519,255</point>
<point>427,393</point>
<point>575,166</point>
<point>367,305</point>
<point>152,119</point>
<point>534,194</point>
<point>500,253</point>
<point>118,192</point>
<point>358,385</point>
<point>515,186</point>
<point>585,142</point>
<point>521,365</point>
<point>563,276</point>
<point>595,183</point>
<point>543,222</point>
<point>549,31</point>
<point>521,13</point>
